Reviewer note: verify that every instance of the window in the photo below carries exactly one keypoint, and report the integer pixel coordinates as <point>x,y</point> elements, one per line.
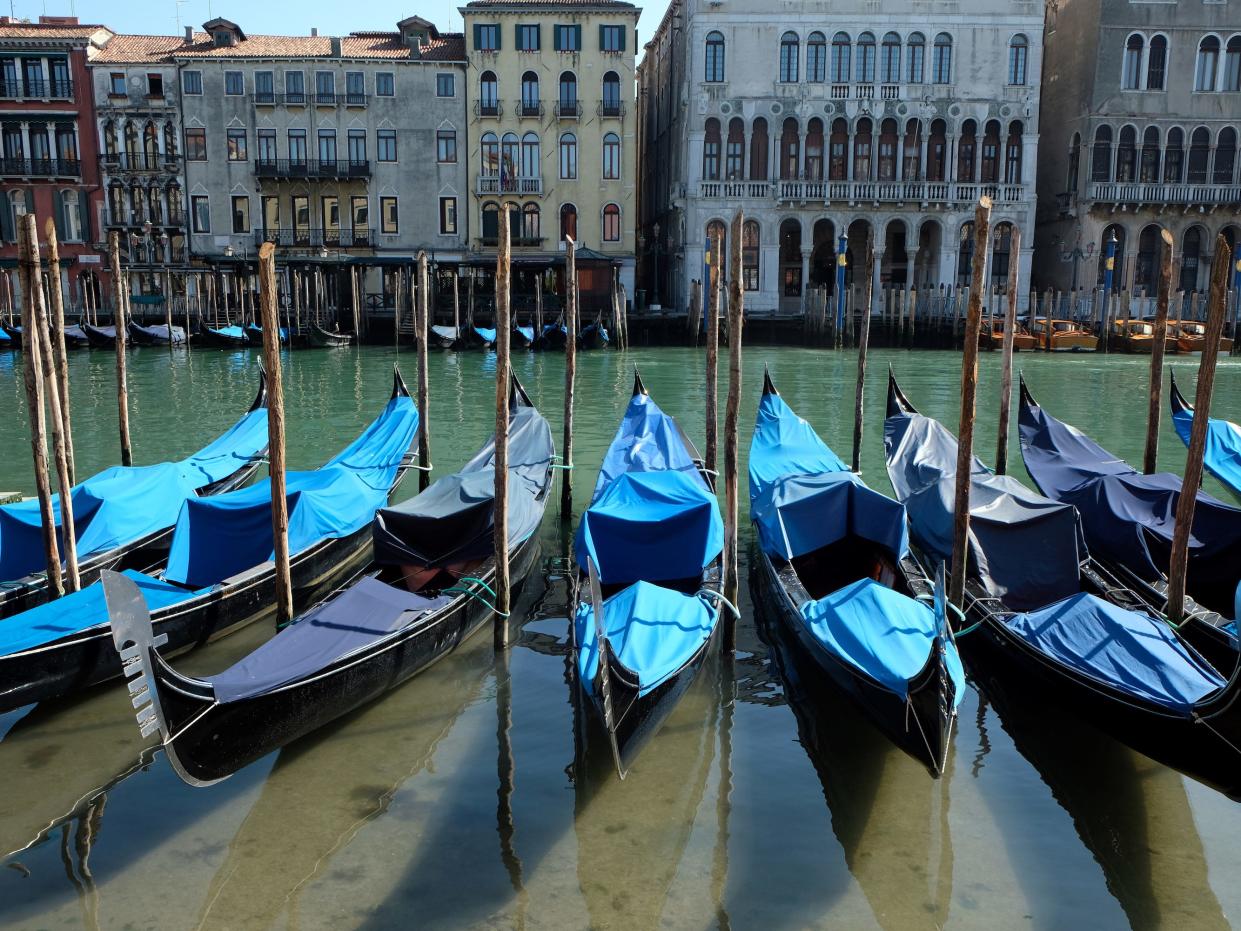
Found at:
<point>264,87</point>
<point>294,87</point>
<point>509,154</point>
<point>568,38</point>
<point>234,83</point>
<point>990,168</point>
<point>527,37</point>
<point>1199,150</point>
<point>356,141</point>
<point>448,216</point>
<point>327,145</point>
<point>568,94</point>
<point>271,213</point>
<point>1012,153</point>
<point>937,151</point>
<point>1225,156</point>
<point>789,45</point>
<point>917,58</point>
<point>887,150</point>
<point>267,145</point>
<point>862,142</point>
<point>491,224</point>
<point>71,217</point>
<point>529,94</point>
<point>611,157</point>
<point>116,86</point>
<point>1126,155</point>
<point>389,221</point>
<point>814,150</point>
<point>941,63</point>
<point>241,214</point>
<point>611,223</point>
<point>734,153</point>
<point>568,156</point>
<point>329,217</point>
<point>1131,69</point>
<point>486,37</point>
<point>200,210</point>
<point>568,222</point>
<point>325,87</point>
<point>1232,65</point>
<point>837,151</point>
<point>749,255</point>
<point>612,38</point>
<point>842,48</point>
<point>1156,63</point>
<point>967,147</point>
<point>385,84</point>
<point>714,69</point>
<point>1149,164</point>
<point>758,150</point>
<point>866,58</point>
<point>1018,55</point>
<point>488,94</point>
<point>297,146</point>
<point>445,85</point>
<point>611,94</point>
<point>790,150</point>
<point>301,217</point>
<point>816,58</point>
<point>1208,64</point>
<point>360,213</point>
<point>355,88</point>
<point>1191,250</point>
<point>236,145</point>
<point>890,59</point>
<point>446,145</point>
<point>192,82</point>
<point>196,145</point>
<point>489,148</point>
<point>711,150</point>
<point>1174,156</point>
<point>385,143</point>
<point>530,161</point>
<point>530,223</point>
<point>1101,157</point>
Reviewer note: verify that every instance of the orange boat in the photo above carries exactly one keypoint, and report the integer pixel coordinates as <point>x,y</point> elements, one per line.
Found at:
<point>1191,336</point>
<point>1066,336</point>
<point>991,336</point>
<point>1138,336</point>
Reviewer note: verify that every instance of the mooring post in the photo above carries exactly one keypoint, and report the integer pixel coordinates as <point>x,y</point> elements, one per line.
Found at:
<point>424,378</point>
<point>500,519</point>
<point>59,355</point>
<point>538,306</point>
<point>570,377</point>
<point>714,287</point>
<point>28,276</point>
<point>119,324</point>
<point>863,346</point>
<point>736,317</point>
<point>1151,455</point>
<point>456,300</point>
<point>1006,362</point>
<point>695,310</point>
<point>1178,561</point>
<point>275,431</point>
<point>969,385</point>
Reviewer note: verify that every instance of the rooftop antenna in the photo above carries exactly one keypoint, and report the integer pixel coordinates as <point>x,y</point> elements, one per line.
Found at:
<point>177,4</point>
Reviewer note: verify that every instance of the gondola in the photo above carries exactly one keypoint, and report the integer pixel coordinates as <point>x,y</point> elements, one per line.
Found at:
<point>593,336</point>
<point>219,575</point>
<point>319,338</point>
<point>157,335</point>
<point>425,592</point>
<point>229,336</point>
<point>254,334</point>
<point>648,551</point>
<point>100,337</point>
<point>554,337</point>
<point>124,515</point>
<point>1222,457</point>
<point>1040,618</point>
<point>441,337</point>
<point>474,337</point>
<point>834,558</point>
<point>7,341</point>
<point>523,337</point>
<point>1129,518</point>
<point>75,337</point>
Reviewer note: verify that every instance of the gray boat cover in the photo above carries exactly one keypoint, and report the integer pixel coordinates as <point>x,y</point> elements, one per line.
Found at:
<point>451,521</point>
<point>1024,549</point>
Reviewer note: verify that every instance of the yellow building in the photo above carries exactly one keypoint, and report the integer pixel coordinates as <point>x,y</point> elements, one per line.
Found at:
<point>553,129</point>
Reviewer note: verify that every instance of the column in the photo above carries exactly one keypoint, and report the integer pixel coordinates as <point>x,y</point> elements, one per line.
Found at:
<point>877,291</point>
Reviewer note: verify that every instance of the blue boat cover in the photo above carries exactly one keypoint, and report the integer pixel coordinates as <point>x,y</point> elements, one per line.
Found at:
<point>1223,451</point>
<point>79,611</point>
<point>600,328</point>
<point>4,337</point>
<point>784,444</point>
<point>653,631</point>
<point>446,332</point>
<point>648,440</point>
<point>1129,516</point>
<point>218,537</point>
<point>360,616</point>
<point>527,332</point>
<point>160,331</point>
<point>1131,652</point>
<point>1025,550</point>
<point>452,521</point>
<point>121,505</point>
<point>229,332</point>
<point>882,633</point>
<point>485,334</point>
<point>256,330</point>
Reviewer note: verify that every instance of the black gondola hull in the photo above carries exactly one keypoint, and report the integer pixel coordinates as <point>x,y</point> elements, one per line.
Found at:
<point>319,338</point>
<point>97,338</point>
<point>214,338</point>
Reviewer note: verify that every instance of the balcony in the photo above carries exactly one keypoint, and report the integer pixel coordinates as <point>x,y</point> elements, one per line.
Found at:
<point>311,238</point>
<point>40,167</point>
<point>735,190</point>
<point>331,100</point>
<point>160,102</point>
<point>568,110</point>
<point>495,184</point>
<point>310,169</point>
<point>1136,193</point>
<point>492,110</point>
<point>611,109</point>
<point>140,161</point>
<point>909,193</point>
<point>529,109</point>
<point>36,90</point>
<point>125,219</point>
<point>517,242</point>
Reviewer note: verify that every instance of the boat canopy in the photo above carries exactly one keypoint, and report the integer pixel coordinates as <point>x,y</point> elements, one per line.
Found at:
<point>486,334</point>
<point>453,520</point>
<point>1222,457</point>
<point>1024,549</point>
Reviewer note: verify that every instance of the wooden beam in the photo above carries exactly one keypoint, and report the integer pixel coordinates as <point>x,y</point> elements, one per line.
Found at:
<point>1006,360</point>
<point>1153,413</point>
<point>275,431</point>
<point>119,324</point>
<point>500,514</point>
<point>424,378</point>
<point>714,287</point>
<point>58,342</point>
<point>570,377</point>
<point>736,317</point>
<point>863,344</point>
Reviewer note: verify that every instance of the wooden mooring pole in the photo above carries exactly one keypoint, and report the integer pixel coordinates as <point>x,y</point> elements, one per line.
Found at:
<point>119,324</point>
<point>1006,361</point>
<point>714,286</point>
<point>863,345</point>
<point>1221,267</point>
<point>1151,454</point>
<point>424,378</point>
<point>969,386</point>
<point>275,431</point>
<point>736,316</point>
<point>500,514</point>
<point>570,377</point>
<point>60,358</point>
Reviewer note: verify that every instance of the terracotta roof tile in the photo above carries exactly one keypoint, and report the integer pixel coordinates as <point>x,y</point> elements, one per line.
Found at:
<point>48,31</point>
<point>380,45</point>
<point>126,49</point>
<point>550,4</point>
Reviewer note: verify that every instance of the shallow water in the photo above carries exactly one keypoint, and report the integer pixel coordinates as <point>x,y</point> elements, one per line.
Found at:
<point>454,802</point>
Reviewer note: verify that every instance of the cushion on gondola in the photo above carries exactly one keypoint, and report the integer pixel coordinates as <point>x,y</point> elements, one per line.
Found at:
<point>1222,457</point>
<point>352,621</point>
<point>648,440</point>
<point>1131,652</point>
<point>784,444</point>
<point>79,610</point>
<point>653,631</point>
<point>884,634</point>
<point>799,514</point>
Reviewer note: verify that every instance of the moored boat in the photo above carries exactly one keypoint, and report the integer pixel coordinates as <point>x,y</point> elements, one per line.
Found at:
<point>1066,336</point>
<point>1138,336</point>
<point>254,334</point>
<point>75,337</point>
<point>230,336</point>
<point>523,337</point>
<point>319,338</point>
<point>441,337</point>
<point>158,335</point>
<point>593,336</point>
<point>1222,456</point>
<point>1191,336</point>
<point>991,336</point>
<point>554,337</point>
<point>100,337</point>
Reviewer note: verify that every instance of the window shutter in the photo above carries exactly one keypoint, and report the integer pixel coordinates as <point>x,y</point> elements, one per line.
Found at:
<point>84,215</point>
<point>478,36</point>
<point>7,232</point>
<point>58,214</point>
<point>556,38</point>
<point>602,29</point>
<point>517,36</point>
<point>29,200</point>
<point>577,38</point>
<point>499,33</point>
<point>538,36</point>
<point>621,32</point>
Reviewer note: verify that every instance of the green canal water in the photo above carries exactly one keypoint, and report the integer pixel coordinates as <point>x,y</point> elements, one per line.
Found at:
<point>453,802</point>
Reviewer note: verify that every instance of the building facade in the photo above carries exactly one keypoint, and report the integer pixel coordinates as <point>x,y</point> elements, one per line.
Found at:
<point>553,129</point>
<point>846,122</point>
<point>1142,104</point>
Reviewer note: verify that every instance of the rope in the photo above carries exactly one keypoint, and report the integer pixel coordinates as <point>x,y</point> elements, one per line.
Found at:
<point>709,593</point>
<point>474,594</point>
<point>567,468</point>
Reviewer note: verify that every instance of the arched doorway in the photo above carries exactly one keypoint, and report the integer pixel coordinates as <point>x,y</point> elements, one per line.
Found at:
<point>895,269</point>
<point>1146,274</point>
<point>1191,255</point>
<point>1001,256</point>
<point>855,261</point>
<point>926,260</point>
<point>790,262</point>
<point>823,257</point>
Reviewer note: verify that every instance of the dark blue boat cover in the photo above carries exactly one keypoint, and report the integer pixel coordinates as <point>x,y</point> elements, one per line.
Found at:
<point>1131,652</point>
<point>802,497</point>
<point>1129,516</point>
<point>1023,548</point>
<point>121,505</point>
<point>1222,457</point>
<point>590,329</point>
<point>159,332</point>
<point>218,537</point>
<point>453,520</point>
<point>358,617</point>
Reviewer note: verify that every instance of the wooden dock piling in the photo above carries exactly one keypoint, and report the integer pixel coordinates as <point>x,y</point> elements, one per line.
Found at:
<point>1151,454</point>
<point>570,376</point>
<point>500,516</point>
<point>119,323</point>
<point>863,346</point>
<point>714,286</point>
<point>60,357</point>
<point>275,431</point>
<point>736,317</point>
<point>1006,362</point>
<point>424,383</point>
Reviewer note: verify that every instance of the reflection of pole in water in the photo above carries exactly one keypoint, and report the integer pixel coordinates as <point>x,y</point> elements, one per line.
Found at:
<point>723,804</point>
<point>984,739</point>
<point>81,878</point>
<point>505,772</point>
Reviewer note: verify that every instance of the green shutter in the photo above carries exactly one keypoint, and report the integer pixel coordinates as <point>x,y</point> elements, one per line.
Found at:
<point>478,36</point>
<point>499,41</point>
<point>538,37</point>
<point>84,215</point>
<point>517,36</point>
<point>7,232</point>
<point>602,46</point>
<point>556,38</point>
<point>58,214</point>
<point>29,200</point>
<point>620,30</point>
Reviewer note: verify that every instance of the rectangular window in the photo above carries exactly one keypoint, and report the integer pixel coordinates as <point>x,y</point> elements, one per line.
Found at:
<point>329,216</point>
<point>568,38</point>
<point>527,37</point>
<point>446,145</point>
<point>327,145</point>
<point>448,216</point>
<point>355,88</point>
<point>612,38</point>
<point>385,84</point>
<point>325,87</point>
<point>301,218</point>
<point>445,85</point>
<point>234,83</point>
<point>267,145</point>
<point>294,87</point>
<point>386,144</point>
<point>357,146</point>
<point>191,82</point>
<point>200,210</point>
<point>155,85</point>
<point>360,215</point>
<point>486,37</point>
<point>116,87</point>
<point>389,222</point>
<point>271,213</point>
<point>241,214</point>
<point>196,145</point>
<point>297,146</point>
<point>264,87</point>
<point>236,145</point>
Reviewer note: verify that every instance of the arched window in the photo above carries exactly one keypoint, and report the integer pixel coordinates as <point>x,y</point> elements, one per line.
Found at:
<point>611,157</point>
<point>1208,64</point>
<point>1101,159</point>
<point>734,152</point>
<point>1012,153</point>
<point>887,150</point>
<point>790,150</point>
<point>155,203</point>
<point>71,217</point>
<point>1126,154</point>
<point>911,157</point>
<point>1148,168</point>
<point>1225,156</point>
<point>611,223</point>
<point>917,58</point>
<point>1131,67</point>
<point>937,151</point>
<point>175,206</point>
<point>941,62</point>
<point>788,58</point>
<point>965,253</point>
<point>1199,149</point>
<point>568,156</point>
<point>816,58</point>
<point>1191,250</point>
<point>866,58</point>
<point>109,138</point>
<point>530,232</point>
<point>131,142</point>
<point>717,230</point>
<point>790,258</point>
<point>489,148</point>
<point>138,203</point>
<point>488,94</point>
<point>749,255</point>
<point>1232,65</point>
<point>1156,63</point>
<point>509,154</point>
<point>170,140</point>
<point>862,142</point>
<point>1174,156</point>
<point>990,170</point>
<point>568,222</point>
<point>714,70</point>
<point>1149,246</point>
<point>838,151</point>
<point>967,148</point>
<point>491,223</point>
<point>1018,59</point>
<point>814,150</point>
<point>116,203</point>
<point>759,147</point>
<point>711,150</point>
<point>841,56</point>
<point>529,94</point>
<point>890,59</point>
<point>1001,248</point>
<point>1075,162</point>
<point>150,144</point>
<point>530,161</point>
<point>568,93</point>
<point>611,94</point>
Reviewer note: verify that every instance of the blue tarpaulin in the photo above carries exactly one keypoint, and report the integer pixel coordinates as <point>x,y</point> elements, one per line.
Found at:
<point>653,631</point>
<point>255,332</point>
<point>228,332</point>
<point>1222,456</point>
<point>648,441</point>
<point>1132,652</point>
<point>4,337</point>
<point>784,444</point>
<point>527,332</point>
<point>220,536</point>
<point>487,335</point>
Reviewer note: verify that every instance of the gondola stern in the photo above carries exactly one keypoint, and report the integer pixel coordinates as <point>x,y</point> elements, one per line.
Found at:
<point>897,402</point>
<point>517,393</point>
<point>1175,398</point>
<point>638,387</point>
<point>1027,398</point>
<point>399,388</point>
<point>769,387</point>
<point>260,397</point>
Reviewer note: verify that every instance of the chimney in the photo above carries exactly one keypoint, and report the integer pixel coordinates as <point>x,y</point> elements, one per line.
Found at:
<point>313,32</point>
<point>58,20</point>
<point>336,46</point>
<point>189,35</point>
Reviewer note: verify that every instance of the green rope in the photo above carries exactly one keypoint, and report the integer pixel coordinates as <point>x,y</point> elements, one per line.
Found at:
<point>567,468</point>
<point>969,630</point>
<point>474,594</point>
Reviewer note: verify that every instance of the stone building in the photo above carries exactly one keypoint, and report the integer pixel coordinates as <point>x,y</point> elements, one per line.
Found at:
<point>821,122</point>
<point>1142,109</point>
